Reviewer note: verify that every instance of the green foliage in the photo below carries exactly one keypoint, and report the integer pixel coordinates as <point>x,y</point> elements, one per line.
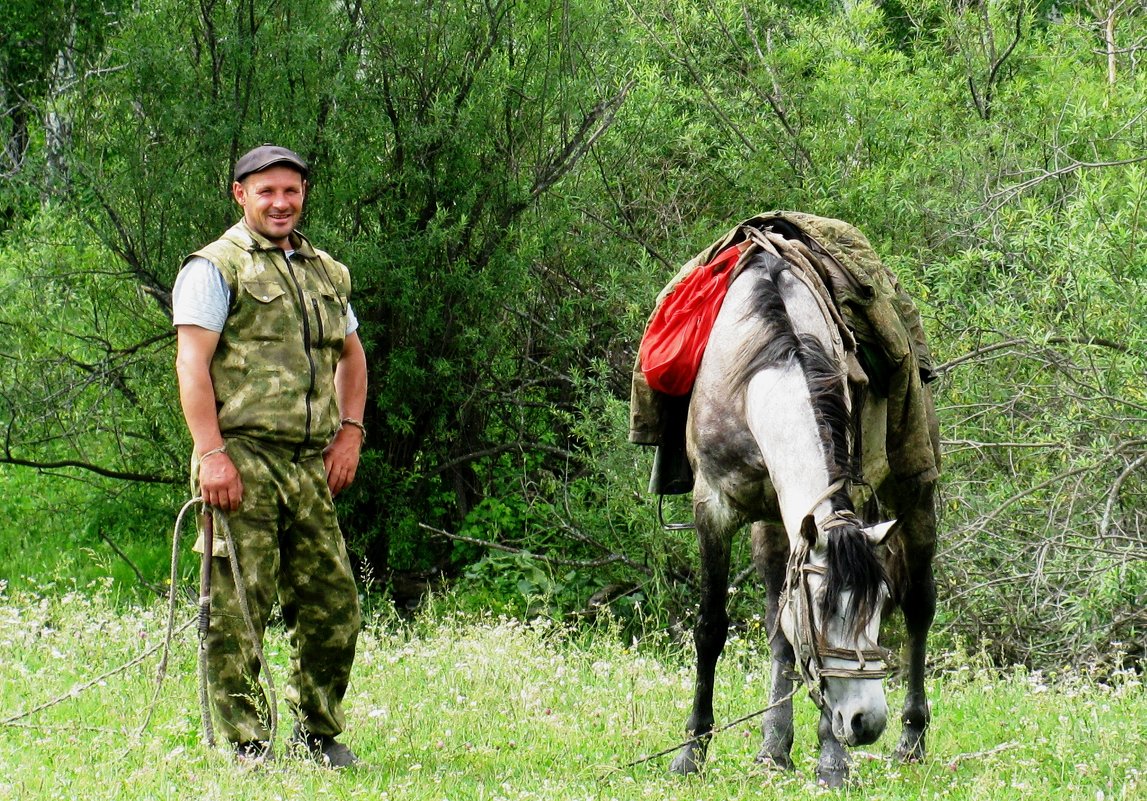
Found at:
<point>65,534</point>
<point>511,184</point>
<point>514,584</point>
<point>86,364</point>
<point>41,42</point>
<point>88,404</point>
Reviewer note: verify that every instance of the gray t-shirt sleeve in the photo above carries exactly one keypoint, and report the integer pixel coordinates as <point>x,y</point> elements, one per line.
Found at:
<point>351,321</point>
<point>201,297</point>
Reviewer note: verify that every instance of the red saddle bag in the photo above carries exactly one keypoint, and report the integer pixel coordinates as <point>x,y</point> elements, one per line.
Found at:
<point>675,338</point>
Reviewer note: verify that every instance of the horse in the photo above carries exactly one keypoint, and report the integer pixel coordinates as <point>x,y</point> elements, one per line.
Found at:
<point>768,435</point>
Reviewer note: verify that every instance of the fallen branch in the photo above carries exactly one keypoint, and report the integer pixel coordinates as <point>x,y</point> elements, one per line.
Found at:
<point>698,737</point>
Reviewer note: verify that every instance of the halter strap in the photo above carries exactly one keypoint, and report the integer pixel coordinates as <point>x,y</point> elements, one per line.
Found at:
<point>832,489</point>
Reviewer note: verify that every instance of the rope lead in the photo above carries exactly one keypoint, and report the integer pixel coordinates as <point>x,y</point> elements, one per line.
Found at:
<point>204,620</point>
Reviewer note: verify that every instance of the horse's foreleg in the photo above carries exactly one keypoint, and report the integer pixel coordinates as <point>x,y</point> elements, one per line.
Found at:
<point>833,764</point>
<point>919,607</point>
<point>709,636</point>
<point>770,554</point>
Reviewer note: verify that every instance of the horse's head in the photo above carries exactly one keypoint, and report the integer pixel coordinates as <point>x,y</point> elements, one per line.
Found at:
<point>834,595</point>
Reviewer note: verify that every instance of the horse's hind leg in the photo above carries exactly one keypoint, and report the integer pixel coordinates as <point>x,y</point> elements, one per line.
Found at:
<point>771,554</point>
<point>918,603</point>
<point>709,636</point>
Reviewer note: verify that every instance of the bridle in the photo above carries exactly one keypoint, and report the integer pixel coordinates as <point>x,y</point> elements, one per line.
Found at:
<point>810,646</point>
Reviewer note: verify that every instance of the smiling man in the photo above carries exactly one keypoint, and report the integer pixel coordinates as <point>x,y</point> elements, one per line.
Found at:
<point>272,380</point>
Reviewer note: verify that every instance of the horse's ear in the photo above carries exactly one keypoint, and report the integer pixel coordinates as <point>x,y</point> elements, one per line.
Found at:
<point>879,533</point>
<point>808,531</point>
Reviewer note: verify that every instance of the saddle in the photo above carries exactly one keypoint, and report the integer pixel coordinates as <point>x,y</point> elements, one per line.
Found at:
<point>881,340</point>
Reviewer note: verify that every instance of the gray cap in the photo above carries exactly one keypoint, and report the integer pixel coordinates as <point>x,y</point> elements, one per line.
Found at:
<point>266,156</point>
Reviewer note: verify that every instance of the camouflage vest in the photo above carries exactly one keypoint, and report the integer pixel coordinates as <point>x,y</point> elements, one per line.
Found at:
<point>274,367</point>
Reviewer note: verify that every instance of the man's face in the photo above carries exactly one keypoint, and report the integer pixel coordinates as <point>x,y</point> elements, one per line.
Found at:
<point>272,202</point>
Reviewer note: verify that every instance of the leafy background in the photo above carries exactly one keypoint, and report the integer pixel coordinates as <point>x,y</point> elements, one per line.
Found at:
<point>511,183</point>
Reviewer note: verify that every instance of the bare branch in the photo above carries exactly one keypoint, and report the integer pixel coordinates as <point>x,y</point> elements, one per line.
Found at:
<point>122,475</point>
<point>595,123</point>
<point>135,568</point>
<point>1113,493</point>
<point>496,450</point>
<point>553,560</point>
<point>983,520</point>
<point>1011,343</point>
<point>675,53</point>
<point>997,199</point>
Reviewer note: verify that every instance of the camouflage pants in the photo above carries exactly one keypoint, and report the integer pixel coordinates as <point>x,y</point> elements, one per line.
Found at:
<point>288,543</point>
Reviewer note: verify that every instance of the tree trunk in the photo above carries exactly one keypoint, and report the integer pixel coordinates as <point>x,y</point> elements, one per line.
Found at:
<point>58,119</point>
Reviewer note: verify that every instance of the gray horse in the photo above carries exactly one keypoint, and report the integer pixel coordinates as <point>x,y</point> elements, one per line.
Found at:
<point>769,441</point>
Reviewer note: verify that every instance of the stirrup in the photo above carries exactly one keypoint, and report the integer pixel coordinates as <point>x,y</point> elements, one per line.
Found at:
<point>670,526</point>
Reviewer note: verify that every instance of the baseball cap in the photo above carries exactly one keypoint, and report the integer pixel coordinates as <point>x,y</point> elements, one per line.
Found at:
<point>265,156</point>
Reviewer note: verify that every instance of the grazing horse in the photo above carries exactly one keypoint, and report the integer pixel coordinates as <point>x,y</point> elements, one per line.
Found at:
<point>769,440</point>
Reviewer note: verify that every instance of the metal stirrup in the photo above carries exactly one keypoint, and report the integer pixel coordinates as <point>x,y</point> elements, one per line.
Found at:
<point>670,526</point>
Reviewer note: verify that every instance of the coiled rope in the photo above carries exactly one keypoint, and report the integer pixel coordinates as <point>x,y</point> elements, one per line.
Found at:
<point>204,622</point>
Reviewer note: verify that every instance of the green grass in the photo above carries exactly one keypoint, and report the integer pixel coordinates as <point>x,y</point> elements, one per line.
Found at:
<point>58,530</point>
<point>495,709</point>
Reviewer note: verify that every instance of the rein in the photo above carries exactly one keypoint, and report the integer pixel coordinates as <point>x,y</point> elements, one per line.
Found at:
<point>810,647</point>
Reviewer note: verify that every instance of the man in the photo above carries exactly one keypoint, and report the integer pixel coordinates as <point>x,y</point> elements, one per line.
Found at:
<point>272,380</point>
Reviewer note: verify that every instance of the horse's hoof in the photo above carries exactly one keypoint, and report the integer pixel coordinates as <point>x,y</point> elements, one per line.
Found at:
<point>910,749</point>
<point>687,762</point>
<point>777,762</point>
<point>833,779</point>
<point>832,772</point>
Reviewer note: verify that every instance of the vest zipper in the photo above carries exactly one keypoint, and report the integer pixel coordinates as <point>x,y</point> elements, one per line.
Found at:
<point>310,357</point>
<point>318,318</point>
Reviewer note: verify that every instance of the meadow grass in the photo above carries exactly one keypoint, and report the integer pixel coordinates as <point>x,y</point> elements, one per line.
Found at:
<point>489,708</point>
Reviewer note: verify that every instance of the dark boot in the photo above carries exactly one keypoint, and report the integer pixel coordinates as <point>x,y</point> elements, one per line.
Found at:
<point>254,753</point>
<point>322,748</point>
<point>671,473</point>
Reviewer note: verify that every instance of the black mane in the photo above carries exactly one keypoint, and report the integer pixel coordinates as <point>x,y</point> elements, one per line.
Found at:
<point>852,562</point>
<point>783,344</point>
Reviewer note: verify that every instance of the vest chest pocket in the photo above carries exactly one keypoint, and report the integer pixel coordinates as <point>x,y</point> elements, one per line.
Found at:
<point>330,313</point>
<point>268,316</point>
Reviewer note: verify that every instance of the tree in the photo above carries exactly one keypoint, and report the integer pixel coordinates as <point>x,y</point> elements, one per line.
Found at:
<point>432,133</point>
<point>511,183</point>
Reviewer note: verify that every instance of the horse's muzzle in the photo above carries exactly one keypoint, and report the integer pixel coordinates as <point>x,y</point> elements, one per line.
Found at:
<point>859,727</point>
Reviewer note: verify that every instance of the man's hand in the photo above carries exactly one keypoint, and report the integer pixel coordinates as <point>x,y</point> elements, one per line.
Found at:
<point>341,458</point>
<point>219,482</point>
